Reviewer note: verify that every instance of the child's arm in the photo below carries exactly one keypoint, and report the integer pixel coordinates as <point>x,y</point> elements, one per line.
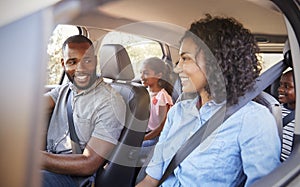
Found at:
<point>163,110</point>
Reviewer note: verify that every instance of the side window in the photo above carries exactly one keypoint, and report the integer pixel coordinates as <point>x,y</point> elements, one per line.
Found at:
<point>138,48</point>
<point>59,35</point>
<point>269,59</point>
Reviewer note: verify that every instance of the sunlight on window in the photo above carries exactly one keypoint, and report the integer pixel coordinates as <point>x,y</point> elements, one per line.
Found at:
<point>269,59</point>
<point>59,35</point>
<point>138,48</point>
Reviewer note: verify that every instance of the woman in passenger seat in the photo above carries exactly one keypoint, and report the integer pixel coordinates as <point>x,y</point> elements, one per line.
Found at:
<point>155,75</point>
<point>217,61</point>
<point>287,98</point>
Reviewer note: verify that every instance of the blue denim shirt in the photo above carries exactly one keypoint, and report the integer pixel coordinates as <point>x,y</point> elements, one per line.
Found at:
<point>246,144</point>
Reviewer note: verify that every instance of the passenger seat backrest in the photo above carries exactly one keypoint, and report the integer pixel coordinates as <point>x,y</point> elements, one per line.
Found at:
<point>274,106</point>
<point>122,165</point>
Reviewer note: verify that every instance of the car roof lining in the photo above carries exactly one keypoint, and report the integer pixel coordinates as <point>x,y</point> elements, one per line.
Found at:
<point>262,18</point>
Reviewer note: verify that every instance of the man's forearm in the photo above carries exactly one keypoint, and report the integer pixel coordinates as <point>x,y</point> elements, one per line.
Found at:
<point>72,164</point>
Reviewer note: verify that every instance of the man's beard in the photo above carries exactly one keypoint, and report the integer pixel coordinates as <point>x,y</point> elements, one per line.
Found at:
<point>92,80</point>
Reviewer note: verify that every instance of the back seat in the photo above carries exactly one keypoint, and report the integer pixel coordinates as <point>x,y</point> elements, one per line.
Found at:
<point>115,65</point>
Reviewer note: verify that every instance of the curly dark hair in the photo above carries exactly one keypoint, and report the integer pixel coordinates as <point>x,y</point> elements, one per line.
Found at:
<point>233,49</point>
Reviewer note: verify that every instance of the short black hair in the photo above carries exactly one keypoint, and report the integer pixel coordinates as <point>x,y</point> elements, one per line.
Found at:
<point>77,39</point>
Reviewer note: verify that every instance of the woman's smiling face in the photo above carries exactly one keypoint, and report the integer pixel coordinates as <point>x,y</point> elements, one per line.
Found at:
<point>191,67</point>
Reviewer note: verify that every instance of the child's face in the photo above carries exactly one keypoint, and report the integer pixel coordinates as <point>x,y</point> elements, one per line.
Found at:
<point>148,76</point>
<point>286,91</point>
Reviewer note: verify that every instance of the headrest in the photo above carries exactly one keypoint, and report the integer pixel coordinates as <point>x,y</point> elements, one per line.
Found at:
<point>287,54</point>
<point>115,63</point>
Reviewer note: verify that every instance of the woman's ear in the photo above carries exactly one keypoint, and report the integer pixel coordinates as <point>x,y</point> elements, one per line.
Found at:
<point>201,61</point>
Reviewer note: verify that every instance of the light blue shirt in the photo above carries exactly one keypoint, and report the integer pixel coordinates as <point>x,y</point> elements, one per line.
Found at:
<point>246,144</point>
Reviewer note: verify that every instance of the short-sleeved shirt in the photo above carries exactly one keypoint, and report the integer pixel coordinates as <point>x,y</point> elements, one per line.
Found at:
<point>98,111</point>
<point>162,98</point>
<point>246,144</point>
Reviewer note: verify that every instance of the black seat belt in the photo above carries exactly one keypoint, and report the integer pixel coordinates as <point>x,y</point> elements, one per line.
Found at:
<point>74,138</point>
<point>262,82</point>
<point>288,118</point>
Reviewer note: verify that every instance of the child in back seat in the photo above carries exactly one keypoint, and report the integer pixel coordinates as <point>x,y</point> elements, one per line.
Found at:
<point>287,98</point>
<point>155,75</point>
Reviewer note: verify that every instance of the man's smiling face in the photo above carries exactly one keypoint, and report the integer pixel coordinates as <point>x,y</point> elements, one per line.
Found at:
<point>80,64</point>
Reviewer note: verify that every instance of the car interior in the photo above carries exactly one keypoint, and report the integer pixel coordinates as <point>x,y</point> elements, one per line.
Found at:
<point>123,163</point>
<point>119,30</point>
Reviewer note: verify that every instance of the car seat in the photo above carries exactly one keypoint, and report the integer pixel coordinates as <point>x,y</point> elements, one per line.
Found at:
<point>115,65</point>
<point>274,106</point>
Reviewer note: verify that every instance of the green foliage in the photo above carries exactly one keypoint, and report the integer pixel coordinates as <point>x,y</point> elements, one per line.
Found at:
<point>138,49</point>
<point>59,35</point>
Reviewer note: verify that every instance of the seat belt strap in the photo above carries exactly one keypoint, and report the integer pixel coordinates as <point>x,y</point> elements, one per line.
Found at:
<point>288,118</point>
<point>194,141</point>
<point>74,138</point>
<point>262,82</point>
